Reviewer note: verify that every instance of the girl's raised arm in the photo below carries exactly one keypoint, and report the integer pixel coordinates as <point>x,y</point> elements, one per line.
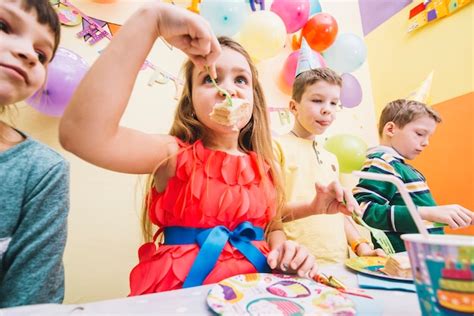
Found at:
<point>90,127</point>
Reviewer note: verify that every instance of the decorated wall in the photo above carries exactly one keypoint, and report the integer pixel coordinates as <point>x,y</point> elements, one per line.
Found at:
<point>104,232</point>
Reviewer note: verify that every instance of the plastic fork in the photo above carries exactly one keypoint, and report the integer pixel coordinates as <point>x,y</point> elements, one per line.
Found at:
<point>378,235</point>
<point>228,98</point>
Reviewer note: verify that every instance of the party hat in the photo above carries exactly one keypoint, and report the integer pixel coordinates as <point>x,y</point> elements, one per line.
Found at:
<point>307,59</point>
<point>422,94</point>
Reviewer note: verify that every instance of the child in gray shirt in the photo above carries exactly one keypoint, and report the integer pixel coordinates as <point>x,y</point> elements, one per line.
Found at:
<point>34,180</point>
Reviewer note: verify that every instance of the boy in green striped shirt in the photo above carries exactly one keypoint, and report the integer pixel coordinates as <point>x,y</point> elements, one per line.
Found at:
<point>405,127</point>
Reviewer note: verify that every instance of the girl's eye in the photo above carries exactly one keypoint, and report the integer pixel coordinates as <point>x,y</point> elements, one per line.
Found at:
<point>207,79</point>
<point>241,80</point>
<point>316,101</point>
<point>41,57</point>
<point>4,27</point>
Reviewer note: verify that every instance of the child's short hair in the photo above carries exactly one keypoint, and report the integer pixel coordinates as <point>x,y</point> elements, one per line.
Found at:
<point>312,76</point>
<point>45,16</point>
<point>401,112</point>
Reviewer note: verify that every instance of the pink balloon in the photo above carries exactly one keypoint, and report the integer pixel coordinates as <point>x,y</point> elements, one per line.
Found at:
<point>63,76</point>
<point>289,68</point>
<point>351,91</point>
<point>294,13</point>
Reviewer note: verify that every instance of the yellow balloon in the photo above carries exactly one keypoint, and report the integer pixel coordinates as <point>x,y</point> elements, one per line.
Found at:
<point>263,34</point>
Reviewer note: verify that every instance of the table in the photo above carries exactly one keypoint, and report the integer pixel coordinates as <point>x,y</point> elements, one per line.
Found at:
<point>191,301</point>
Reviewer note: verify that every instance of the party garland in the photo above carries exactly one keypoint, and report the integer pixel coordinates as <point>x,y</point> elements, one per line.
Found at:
<point>95,30</point>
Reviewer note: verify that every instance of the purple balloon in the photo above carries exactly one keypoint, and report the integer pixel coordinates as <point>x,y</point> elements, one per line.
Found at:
<point>351,92</point>
<point>63,76</point>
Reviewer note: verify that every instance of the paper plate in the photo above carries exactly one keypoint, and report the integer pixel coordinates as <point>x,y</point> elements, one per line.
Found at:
<point>371,266</point>
<point>274,294</point>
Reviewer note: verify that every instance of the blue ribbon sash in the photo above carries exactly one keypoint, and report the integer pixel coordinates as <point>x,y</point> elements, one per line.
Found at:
<point>211,242</point>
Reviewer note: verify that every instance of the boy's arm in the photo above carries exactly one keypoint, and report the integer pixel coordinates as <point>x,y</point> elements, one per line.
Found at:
<point>33,262</point>
<point>375,199</point>
<point>453,215</point>
<point>359,245</point>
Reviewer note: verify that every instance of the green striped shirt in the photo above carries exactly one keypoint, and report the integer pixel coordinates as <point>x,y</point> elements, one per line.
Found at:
<point>382,204</point>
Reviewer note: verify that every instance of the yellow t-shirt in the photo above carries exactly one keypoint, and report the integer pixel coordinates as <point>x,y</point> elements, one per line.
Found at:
<point>323,235</point>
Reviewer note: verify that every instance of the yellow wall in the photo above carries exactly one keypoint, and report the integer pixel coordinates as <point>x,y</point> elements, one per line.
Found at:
<point>400,61</point>
<point>104,232</point>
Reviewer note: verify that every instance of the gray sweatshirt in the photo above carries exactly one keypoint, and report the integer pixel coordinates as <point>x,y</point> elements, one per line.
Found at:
<point>34,204</point>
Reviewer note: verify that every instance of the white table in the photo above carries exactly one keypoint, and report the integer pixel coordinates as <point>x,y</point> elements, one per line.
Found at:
<point>191,301</point>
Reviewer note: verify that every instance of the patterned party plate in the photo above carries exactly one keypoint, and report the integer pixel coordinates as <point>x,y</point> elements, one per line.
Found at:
<point>275,294</point>
<point>372,266</point>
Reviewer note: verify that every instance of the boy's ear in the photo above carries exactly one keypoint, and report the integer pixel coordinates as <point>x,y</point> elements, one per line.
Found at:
<point>389,129</point>
<point>293,107</point>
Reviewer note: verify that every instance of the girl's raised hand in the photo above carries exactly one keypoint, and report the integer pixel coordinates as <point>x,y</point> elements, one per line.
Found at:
<point>189,32</point>
<point>290,257</point>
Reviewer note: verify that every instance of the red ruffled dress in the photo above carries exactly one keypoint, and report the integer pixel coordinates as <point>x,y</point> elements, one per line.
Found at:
<point>210,188</point>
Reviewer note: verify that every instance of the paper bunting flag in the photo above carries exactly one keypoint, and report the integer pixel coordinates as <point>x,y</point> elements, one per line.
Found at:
<point>97,30</point>
<point>422,94</point>
<point>194,6</point>
<point>431,10</point>
<point>113,28</point>
<point>161,77</point>
<point>307,60</point>
<point>158,77</point>
<point>93,30</point>
<point>254,3</point>
<point>283,114</point>
<point>68,16</point>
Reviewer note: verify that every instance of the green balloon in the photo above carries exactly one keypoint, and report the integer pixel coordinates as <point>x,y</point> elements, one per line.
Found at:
<point>350,151</point>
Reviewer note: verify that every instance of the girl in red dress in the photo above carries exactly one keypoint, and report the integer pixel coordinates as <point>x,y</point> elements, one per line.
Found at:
<point>215,192</point>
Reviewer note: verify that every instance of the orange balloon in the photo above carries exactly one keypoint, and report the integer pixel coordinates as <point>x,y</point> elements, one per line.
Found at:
<point>320,31</point>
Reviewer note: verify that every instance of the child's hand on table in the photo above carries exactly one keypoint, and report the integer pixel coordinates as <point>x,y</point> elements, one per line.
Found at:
<point>290,257</point>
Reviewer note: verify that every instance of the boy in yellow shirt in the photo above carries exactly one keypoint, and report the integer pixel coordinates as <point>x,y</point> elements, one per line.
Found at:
<point>304,162</point>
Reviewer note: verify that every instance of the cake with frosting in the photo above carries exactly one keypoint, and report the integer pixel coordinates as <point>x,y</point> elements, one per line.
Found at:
<point>230,112</point>
<point>398,265</point>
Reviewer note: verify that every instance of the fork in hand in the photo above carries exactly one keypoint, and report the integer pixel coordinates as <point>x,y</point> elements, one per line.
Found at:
<point>228,98</point>
<point>378,234</point>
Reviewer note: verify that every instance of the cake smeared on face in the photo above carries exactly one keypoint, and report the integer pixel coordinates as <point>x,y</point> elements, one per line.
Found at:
<point>230,114</point>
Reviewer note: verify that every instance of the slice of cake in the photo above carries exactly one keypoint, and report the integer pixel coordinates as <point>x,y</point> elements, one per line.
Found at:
<point>230,114</point>
<point>398,265</point>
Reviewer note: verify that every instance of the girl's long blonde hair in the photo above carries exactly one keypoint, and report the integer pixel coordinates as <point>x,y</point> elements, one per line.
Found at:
<point>255,136</point>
